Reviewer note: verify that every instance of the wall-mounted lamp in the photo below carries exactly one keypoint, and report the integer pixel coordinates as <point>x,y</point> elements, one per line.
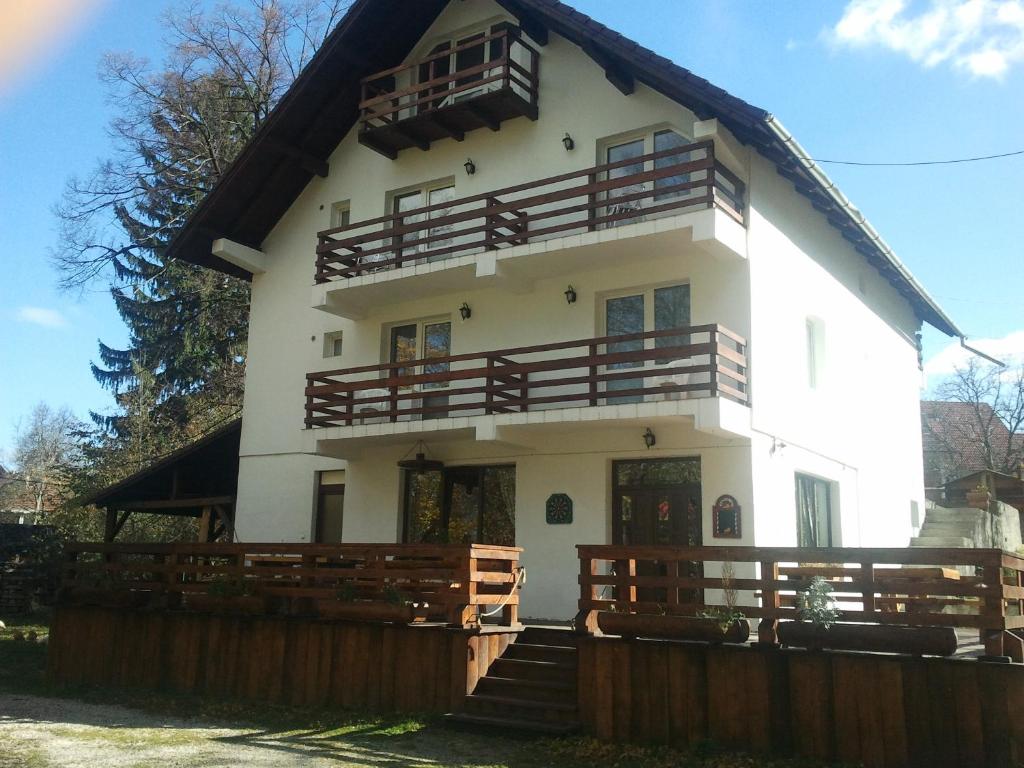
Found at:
<point>465,311</point>
<point>570,295</point>
<point>649,439</point>
<point>568,143</point>
<point>777,447</point>
<point>470,166</point>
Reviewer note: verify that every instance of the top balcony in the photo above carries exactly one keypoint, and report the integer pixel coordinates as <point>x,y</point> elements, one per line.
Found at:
<point>478,83</point>
<point>603,199</point>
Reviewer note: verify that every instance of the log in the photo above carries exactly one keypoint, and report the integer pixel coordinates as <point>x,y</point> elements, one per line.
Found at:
<point>889,638</point>
<point>671,627</point>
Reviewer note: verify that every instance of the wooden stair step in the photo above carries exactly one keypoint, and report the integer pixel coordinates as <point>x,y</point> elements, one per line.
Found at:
<point>532,690</point>
<point>533,652</point>
<point>529,669</point>
<point>506,723</point>
<point>525,709</point>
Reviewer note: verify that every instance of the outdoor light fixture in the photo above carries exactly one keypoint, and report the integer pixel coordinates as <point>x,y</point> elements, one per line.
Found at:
<point>570,295</point>
<point>649,439</point>
<point>465,311</point>
<point>568,143</point>
<point>421,463</point>
<point>470,166</point>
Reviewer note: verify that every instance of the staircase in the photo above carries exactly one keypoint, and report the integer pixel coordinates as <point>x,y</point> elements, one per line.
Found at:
<point>530,687</point>
<point>961,527</point>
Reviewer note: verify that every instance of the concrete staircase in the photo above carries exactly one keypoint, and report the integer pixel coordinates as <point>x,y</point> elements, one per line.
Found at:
<point>961,527</point>
<point>530,687</point>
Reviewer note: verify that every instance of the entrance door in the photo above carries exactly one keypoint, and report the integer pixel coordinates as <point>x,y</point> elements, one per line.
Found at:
<point>658,502</point>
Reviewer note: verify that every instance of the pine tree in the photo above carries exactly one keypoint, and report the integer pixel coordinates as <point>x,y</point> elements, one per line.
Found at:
<point>178,129</point>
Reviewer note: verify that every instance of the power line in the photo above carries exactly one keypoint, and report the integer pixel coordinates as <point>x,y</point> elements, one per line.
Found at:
<point>927,162</point>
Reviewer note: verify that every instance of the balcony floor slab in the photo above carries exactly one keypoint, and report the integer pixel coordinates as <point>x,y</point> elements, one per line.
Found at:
<point>715,416</point>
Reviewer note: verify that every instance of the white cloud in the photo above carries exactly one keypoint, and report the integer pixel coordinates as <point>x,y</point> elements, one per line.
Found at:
<point>48,318</point>
<point>1009,349</point>
<point>982,37</point>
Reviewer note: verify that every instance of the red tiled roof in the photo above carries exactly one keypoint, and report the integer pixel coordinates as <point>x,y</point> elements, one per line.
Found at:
<point>960,438</point>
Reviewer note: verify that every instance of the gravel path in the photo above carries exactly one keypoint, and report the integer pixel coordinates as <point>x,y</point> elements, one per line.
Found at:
<point>40,732</point>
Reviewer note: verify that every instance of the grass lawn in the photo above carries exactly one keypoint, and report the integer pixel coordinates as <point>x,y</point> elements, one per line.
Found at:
<point>196,725</point>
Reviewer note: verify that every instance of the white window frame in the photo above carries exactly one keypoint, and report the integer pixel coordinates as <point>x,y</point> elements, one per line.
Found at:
<point>835,531</point>
<point>423,190</point>
<point>330,337</point>
<point>421,324</point>
<point>815,352</point>
<point>341,214</point>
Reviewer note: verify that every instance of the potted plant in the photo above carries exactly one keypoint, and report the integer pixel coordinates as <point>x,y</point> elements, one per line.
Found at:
<point>720,624</point>
<point>390,606</point>
<point>228,596</point>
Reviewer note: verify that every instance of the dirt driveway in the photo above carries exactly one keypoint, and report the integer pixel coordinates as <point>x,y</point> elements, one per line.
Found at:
<point>40,732</point>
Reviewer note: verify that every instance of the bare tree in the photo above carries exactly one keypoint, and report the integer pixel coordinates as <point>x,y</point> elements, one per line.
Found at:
<point>180,125</point>
<point>46,451</point>
<point>986,429</point>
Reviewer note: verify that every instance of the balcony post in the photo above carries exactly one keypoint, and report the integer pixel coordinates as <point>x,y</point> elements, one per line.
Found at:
<point>489,382</point>
<point>713,379</point>
<point>593,374</point>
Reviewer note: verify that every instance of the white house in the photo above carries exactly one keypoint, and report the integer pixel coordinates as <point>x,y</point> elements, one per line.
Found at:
<point>446,217</point>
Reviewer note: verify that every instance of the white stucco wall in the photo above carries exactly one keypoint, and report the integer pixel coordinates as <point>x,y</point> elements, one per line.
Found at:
<point>859,428</point>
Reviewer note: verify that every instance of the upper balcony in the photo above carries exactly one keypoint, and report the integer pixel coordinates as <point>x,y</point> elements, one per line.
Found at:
<point>697,372</point>
<point>447,245</point>
<point>478,83</point>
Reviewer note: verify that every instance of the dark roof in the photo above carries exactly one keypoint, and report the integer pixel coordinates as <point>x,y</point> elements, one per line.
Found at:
<point>953,439</point>
<point>205,468</point>
<point>322,106</point>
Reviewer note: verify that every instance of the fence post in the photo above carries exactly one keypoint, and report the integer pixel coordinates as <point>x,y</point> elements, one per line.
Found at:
<point>591,203</point>
<point>585,622</point>
<point>768,627</point>
<point>489,383</point>
<point>867,593</point>
<point>593,374</point>
<point>713,342</point>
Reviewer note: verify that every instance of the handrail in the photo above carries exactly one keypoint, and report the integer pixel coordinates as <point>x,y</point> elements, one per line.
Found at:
<point>385,106</point>
<point>886,586</point>
<point>704,360</point>
<point>507,216</point>
<point>445,581</point>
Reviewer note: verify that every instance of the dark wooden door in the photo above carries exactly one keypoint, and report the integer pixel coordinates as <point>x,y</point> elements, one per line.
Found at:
<point>658,503</point>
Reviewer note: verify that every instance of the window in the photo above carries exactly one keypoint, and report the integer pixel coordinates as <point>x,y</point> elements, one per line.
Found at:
<point>422,339</point>
<point>635,197</point>
<point>653,309</point>
<point>470,57</point>
<point>461,505</point>
<point>332,344</point>
<point>815,352</point>
<point>341,214</point>
<point>814,511</point>
<point>330,506</point>
<point>430,242</point>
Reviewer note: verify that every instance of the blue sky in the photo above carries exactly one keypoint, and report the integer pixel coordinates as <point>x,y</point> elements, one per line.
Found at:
<point>869,80</point>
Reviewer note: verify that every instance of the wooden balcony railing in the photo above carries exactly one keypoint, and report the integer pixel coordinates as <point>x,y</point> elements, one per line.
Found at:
<point>414,104</point>
<point>698,361</point>
<point>977,589</point>
<point>451,583</point>
<point>673,180</point>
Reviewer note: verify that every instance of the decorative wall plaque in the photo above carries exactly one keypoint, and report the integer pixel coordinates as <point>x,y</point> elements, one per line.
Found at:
<point>726,523</point>
<point>559,509</point>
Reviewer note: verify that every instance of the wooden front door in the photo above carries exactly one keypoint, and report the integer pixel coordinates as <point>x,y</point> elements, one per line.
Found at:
<point>658,502</point>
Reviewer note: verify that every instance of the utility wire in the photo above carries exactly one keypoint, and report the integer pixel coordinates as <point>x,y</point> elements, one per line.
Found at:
<point>927,162</point>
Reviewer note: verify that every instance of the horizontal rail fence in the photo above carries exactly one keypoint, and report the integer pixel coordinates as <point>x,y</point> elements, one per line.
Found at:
<point>453,583</point>
<point>915,587</point>
<point>696,361</point>
<point>672,181</point>
<point>395,94</point>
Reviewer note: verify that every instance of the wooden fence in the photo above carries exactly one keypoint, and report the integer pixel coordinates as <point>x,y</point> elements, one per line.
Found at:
<point>453,583</point>
<point>879,711</point>
<point>296,661</point>
<point>921,588</point>
<point>670,181</point>
<point>696,361</point>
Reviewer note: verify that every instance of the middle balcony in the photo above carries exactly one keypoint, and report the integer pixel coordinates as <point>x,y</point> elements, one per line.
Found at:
<point>697,372</point>
<point>671,198</point>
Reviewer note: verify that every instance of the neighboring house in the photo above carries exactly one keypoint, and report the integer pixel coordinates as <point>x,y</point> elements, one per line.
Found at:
<point>15,500</point>
<point>960,439</point>
<point>763,384</point>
